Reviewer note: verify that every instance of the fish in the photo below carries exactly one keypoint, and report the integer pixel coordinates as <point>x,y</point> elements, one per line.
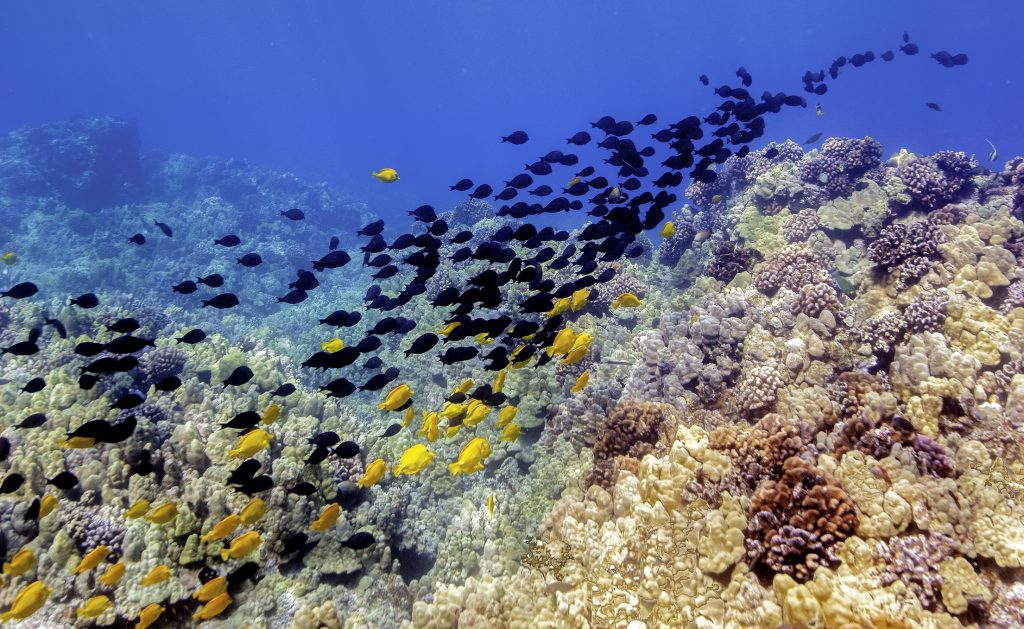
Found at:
<point>11,483</point>
<point>332,260</point>
<point>21,290</point>
<point>372,229</point>
<point>250,444</point>
<point>516,137</point>
<point>271,414</point>
<point>137,509</point>
<point>342,318</point>
<point>909,49</point>
<point>222,529</point>
<point>63,481</point>
<point>253,511</point>
<point>137,239</point>
<point>426,214</point>
<point>333,345</point>
<point>239,376</point>
<point>471,457</point>
<point>392,430</point>
<point>250,260</point>
<point>294,543</point>
<point>113,574</point>
<point>993,154</point>
<point>510,432</point>
<point>461,185</point>
<point>385,175</point>
<point>124,326</point>
<point>454,355</point>
<point>581,382</point>
<point>328,517</point>
<point>35,420</point>
<point>335,241</point>
<point>424,343</point>
<point>359,541</point>
<point>303,489</point>
<point>230,240</point>
<point>185,288</point>
<point>397,398</point>
<point>149,615</point>
<point>9,258</point>
<point>162,514</point>
<point>128,401</point>
<point>165,228</point>
<point>145,465</point>
<point>373,474</point>
<point>86,301</point>
<point>168,384</point>
<point>284,390</point>
<point>295,296</point>
<point>626,300</point>
<point>222,301</point>
<point>211,589</point>
<point>192,337</point>
<point>818,110</point>
<point>46,506</point>
<point>58,326</point>
<point>318,456</point>
<point>934,106</point>
<point>158,574</point>
<point>490,506</point>
<point>578,299</point>
<point>20,563</point>
<point>242,545</point>
<point>94,607</point>
<point>5,448</point>
<point>483,191</point>
<point>814,138</point>
<point>668,230</point>
<point>213,608</point>
<point>347,449</point>
<point>888,55</point>
<point>91,559</point>
<point>27,601</point>
<point>413,461</point>
<point>293,214</point>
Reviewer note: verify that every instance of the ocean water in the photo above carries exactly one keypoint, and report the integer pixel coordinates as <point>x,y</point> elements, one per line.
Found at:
<point>755,360</point>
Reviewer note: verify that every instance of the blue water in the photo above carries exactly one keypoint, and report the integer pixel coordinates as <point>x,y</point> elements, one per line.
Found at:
<point>333,90</point>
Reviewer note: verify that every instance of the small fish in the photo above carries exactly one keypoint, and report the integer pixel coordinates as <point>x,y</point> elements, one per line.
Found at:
<point>328,517</point>
<point>162,514</point>
<point>934,106</point>
<point>295,296</point>
<point>359,541</point>
<point>250,444</point>
<point>165,228</point>
<point>462,185</point>
<point>222,301</point>
<point>284,390</point>
<point>229,240</point>
<point>113,574</point>
<point>168,384</point>
<point>271,415</point>
<point>149,615</point>
<point>626,300</point>
<point>91,559</point>
<point>818,110</point>
<point>94,607</point>
<point>11,483</point>
<point>251,260</point>
<point>993,154</point>
<point>335,241</point>
<point>242,546</point>
<point>86,301</point>
<point>581,382</point>
<point>222,529</point>
<point>372,229</point>
<point>490,506</point>
<point>211,589</point>
<point>294,543</point>
<point>239,376</point>
<point>814,138</point>
<point>392,430</point>
<point>20,563</point>
<point>510,432</point>
<point>137,239</point>
<point>668,230</point>
<point>158,574</point>
<point>185,288</point>
<point>396,398</point>
<point>385,175</point>
<point>192,337</point>
<point>124,326</point>
<point>333,345</point>
<point>471,457</point>
<point>138,509</point>
<point>516,137</point>
<point>253,511</point>
<point>372,475</point>
<point>20,291</point>
<point>303,489</point>
<point>332,260</point>
<point>414,460</point>
<point>35,420</point>
<point>9,258</point>
<point>63,481</point>
<point>57,325</point>
<point>47,505</point>
<point>27,601</point>
<point>213,608</point>
<point>347,449</point>
<point>293,214</point>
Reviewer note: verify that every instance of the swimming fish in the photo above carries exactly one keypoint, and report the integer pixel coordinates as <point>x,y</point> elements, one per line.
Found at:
<point>413,460</point>
<point>818,110</point>
<point>396,398</point>
<point>581,382</point>
<point>162,514</point>
<point>138,509</point>
<point>27,602</point>
<point>9,258</point>
<point>149,615</point>
<point>333,345</point>
<point>511,432</point>
<point>293,214</point>
<point>668,230</point>
<point>156,575</point>
<point>94,607</point>
<point>250,444</point>
<point>253,511</point>
<point>328,517</point>
<point>471,457</point>
<point>490,506</point>
<point>242,546</point>
<point>516,137</point>
<point>222,301</point>
<point>373,474</point>
<point>814,138</point>
<point>213,608</point>
<point>46,505</point>
<point>499,381</point>
<point>430,429</point>
<point>137,239</point>
<point>578,299</point>
<point>250,260</point>
<point>20,291</point>
<point>113,574</point>
<point>386,175</point>
<point>20,563</point>
<point>211,589</point>
<point>579,349</point>
<point>506,415</point>
<point>87,301</point>
<point>563,342</point>
<point>229,240</point>
<point>91,559</point>
<point>626,300</point>
<point>222,529</point>
<point>271,415</point>
<point>993,154</point>
<point>934,106</point>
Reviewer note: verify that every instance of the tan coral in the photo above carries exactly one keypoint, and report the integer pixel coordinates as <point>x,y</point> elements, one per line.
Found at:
<point>960,584</point>
<point>721,545</point>
<point>882,511</point>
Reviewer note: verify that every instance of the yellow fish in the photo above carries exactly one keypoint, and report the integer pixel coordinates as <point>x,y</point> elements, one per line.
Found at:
<point>91,559</point>
<point>242,546</point>
<point>252,511</point>
<point>162,514</point>
<point>716,198</point>
<point>579,349</point>
<point>47,505</point>
<point>818,110</point>
<point>386,175</point>
<point>396,398</point>
<point>483,338</point>
<point>451,411</point>
<point>333,345</point>
<point>448,329</point>
<point>511,432</point>
<point>211,589</point>
<point>506,415</point>
<point>475,413</point>
<point>490,506</point>
<point>514,361</point>
<point>408,417</point>
<point>572,182</point>
<point>20,563</point>
<point>430,429</point>
<point>626,300</point>
<point>158,574</point>
<point>563,342</point>
<point>578,299</point>
<point>668,230</point>
<point>223,528</point>
<point>113,574</point>
<point>373,474</point>
<point>328,517</point>
<point>471,457</point>
<point>9,258</point>
<point>138,509</point>
<point>213,608</point>
<point>561,305</point>
<point>94,607</point>
<point>271,415</point>
<point>466,385</point>
<point>27,602</point>
<point>250,444</point>
<point>149,615</point>
<point>499,381</point>
<point>77,443</point>
<point>413,460</point>
<point>581,382</point>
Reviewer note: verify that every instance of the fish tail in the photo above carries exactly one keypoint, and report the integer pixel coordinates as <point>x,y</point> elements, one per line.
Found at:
<point>454,469</point>
<point>224,554</point>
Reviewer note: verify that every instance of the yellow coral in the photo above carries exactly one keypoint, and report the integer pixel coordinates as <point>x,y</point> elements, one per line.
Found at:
<point>960,583</point>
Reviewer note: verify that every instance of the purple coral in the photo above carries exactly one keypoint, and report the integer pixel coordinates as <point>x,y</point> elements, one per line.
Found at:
<point>791,267</point>
<point>162,362</point>
<point>841,164</point>
<point>913,559</point>
<point>801,225</point>
<point>728,259</point>
<point>927,312</point>
<point>909,248</point>
<point>937,179</point>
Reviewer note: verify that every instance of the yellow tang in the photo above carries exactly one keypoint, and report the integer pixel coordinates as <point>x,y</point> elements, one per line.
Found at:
<point>213,608</point>
<point>373,474</point>
<point>162,514</point>
<point>414,460</point>
<point>253,511</point>
<point>113,574</point>
<point>448,329</point>
<point>242,546</point>
<point>573,182</point>
<point>20,563</point>
<point>430,429</point>
<point>222,529</point>
<point>471,457</point>
<point>158,574</point>
<point>563,342</point>
<point>578,300</point>
<point>77,443</point>
<point>138,509</point>
<point>27,602</point>
<point>451,411</point>
<point>396,398</point>
<point>250,444</point>
<point>91,559</point>
<point>668,230</point>
<point>716,198</point>
<point>94,607</point>
<point>499,381</point>
<point>476,412</point>
<point>211,589</point>
<point>47,505</point>
<point>386,175</point>
<point>328,517</point>
<point>626,300</point>
<point>561,305</point>
<point>490,506</point>
<point>483,338</point>
<point>408,417</point>
<point>9,258</point>
<point>466,385</point>
<point>332,346</point>
<point>149,615</point>
<point>818,110</point>
<point>506,415</point>
<point>271,415</point>
<point>511,432</point>
<point>581,382</point>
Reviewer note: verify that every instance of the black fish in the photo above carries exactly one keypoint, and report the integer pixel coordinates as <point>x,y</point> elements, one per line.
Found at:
<point>124,326</point>
<point>811,140</point>
<point>541,191</point>
<point>426,214</point>
<point>372,229</point>
<point>422,344</point>
<point>360,541</point>
<point>87,381</point>
<point>703,78</point>
<point>771,153</point>
<point>5,448</point>
<point>230,240</point>
<point>934,106</point>
<point>284,390</point>
<point>128,401</point>
<point>373,363</point>
<point>333,260</point>
<point>185,288</point>
<point>63,481</point>
<point>32,512</point>
<point>250,259</point>
<point>579,139</point>
<point>34,385</point>
<point>457,398</point>
<point>165,228</point>
<point>145,465</point>
<point>392,430</point>
<point>462,185</point>
<point>539,168</point>
<point>137,239</point>
<point>168,384</point>
<point>347,449</point>
<point>294,214</point>
<point>239,376</point>
<point>342,318</point>
<point>369,344</point>
<point>11,484</point>
<point>261,483</point>
<point>378,244</point>
<point>213,280</point>
<point>458,354</point>
<point>386,272</point>
<point>909,49</point>
<point>516,137</point>
<point>303,489</point>
<point>243,573</point>
<point>306,281</point>
<point>243,420</point>
<point>496,399</point>
<point>20,291</point>
<point>87,301</point>
<point>57,325</point>
<point>24,348</point>
<point>334,243</point>
<point>318,456</point>
<point>192,337</point>
<point>888,55</point>
<point>483,190</point>
<point>339,387</point>
<point>222,301</point>
<point>520,181</point>
<point>128,344</point>
<point>245,471</point>
<point>294,296</point>
<point>34,420</point>
<point>294,543</point>
<point>325,439</point>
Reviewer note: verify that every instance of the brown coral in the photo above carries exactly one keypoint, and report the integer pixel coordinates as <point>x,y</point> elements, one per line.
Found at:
<point>759,451</point>
<point>792,267</point>
<point>631,431</point>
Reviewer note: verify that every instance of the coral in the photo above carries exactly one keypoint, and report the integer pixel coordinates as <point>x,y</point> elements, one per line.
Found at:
<point>162,362</point>
<point>728,259</point>
<point>759,390</point>
<point>841,163</point>
<point>960,585</point>
<point>926,312</point>
<point>815,299</point>
<point>723,544</point>
<point>630,431</point>
<point>938,179</point>
<point>801,225</point>
<point>912,559</point>
<point>759,451</point>
<point>866,210</point>
<point>792,267</point>
<point>909,248</point>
